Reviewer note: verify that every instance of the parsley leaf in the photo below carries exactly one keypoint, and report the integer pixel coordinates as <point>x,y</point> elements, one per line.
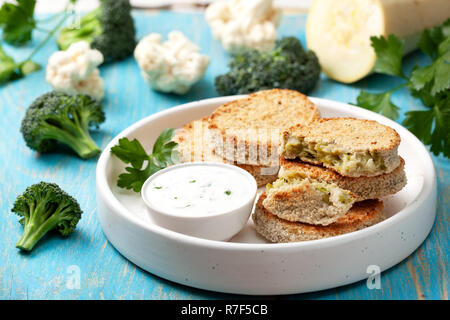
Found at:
<point>130,152</point>
<point>133,153</point>
<point>134,178</point>
<point>378,102</point>
<point>442,74</point>
<point>163,148</point>
<point>430,83</point>
<point>421,76</point>
<point>435,74</point>
<point>424,95</point>
<point>17,21</point>
<point>431,38</point>
<point>432,126</point>
<point>389,55</point>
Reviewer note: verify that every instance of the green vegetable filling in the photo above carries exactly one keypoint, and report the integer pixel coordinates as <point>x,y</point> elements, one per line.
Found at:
<point>361,162</point>
<point>326,189</point>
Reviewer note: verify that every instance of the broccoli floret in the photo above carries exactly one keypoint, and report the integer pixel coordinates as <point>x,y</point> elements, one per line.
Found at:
<point>58,117</point>
<point>287,66</point>
<point>109,29</point>
<point>44,207</point>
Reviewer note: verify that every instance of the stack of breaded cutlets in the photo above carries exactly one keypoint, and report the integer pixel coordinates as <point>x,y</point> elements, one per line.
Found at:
<point>324,176</point>
<point>332,174</point>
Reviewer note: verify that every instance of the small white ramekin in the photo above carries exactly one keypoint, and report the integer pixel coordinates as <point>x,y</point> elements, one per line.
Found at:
<point>220,226</point>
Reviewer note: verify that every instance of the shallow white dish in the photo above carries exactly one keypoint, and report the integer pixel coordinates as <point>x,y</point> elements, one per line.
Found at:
<point>248,264</point>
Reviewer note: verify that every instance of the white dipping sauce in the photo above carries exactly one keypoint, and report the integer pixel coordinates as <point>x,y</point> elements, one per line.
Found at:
<point>198,190</point>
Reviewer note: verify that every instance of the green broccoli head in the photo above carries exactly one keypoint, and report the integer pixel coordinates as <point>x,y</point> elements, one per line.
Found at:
<point>44,207</point>
<point>57,117</point>
<point>109,29</point>
<point>287,66</point>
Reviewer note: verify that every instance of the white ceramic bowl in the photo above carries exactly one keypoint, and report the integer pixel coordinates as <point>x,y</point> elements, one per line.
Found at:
<point>222,225</point>
<point>248,264</point>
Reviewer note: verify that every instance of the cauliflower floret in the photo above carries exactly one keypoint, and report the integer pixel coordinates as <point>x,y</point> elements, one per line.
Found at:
<point>239,24</point>
<point>75,70</point>
<point>172,66</point>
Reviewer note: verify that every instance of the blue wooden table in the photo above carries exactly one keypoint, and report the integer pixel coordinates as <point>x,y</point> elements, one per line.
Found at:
<point>50,270</point>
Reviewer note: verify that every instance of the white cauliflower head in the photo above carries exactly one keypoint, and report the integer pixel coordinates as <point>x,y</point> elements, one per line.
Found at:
<point>172,66</point>
<point>239,24</point>
<point>75,70</point>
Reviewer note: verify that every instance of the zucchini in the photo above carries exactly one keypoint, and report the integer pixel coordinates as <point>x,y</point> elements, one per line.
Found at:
<point>339,31</point>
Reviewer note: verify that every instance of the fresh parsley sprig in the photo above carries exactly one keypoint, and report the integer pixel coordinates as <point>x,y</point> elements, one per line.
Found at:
<point>132,152</point>
<point>430,84</point>
<point>17,23</point>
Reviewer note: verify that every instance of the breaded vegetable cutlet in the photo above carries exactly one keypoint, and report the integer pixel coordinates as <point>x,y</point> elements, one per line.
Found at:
<point>363,188</point>
<point>351,147</point>
<point>248,130</point>
<point>307,200</point>
<point>363,214</point>
<point>193,146</point>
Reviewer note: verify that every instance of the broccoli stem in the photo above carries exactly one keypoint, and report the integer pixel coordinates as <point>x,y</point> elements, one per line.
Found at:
<point>82,143</point>
<point>85,147</point>
<point>33,233</point>
<point>41,219</point>
<point>34,229</point>
<point>88,28</point>
<point>73,132</point>
<point>74,137</point>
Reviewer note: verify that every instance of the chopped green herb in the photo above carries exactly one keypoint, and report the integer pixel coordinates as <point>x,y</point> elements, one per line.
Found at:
<point>192,181</point>
<point>228,192</point>
<point>158,187</point>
